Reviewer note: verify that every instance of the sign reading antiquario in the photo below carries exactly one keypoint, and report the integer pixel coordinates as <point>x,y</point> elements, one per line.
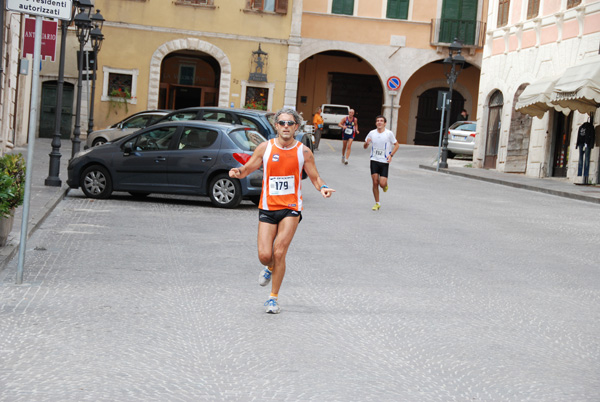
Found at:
<point>49,31</point>
<point>60,9</point>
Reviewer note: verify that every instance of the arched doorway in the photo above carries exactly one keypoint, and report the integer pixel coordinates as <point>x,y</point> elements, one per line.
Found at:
<point>342,78</point>
<point>518,139</point>
<point>189,78</point>
<point>493,130</point>
<point>429,117</point>
<point>48,109</point>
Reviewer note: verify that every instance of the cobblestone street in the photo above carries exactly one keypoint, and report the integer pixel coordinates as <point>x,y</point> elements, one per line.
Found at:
<point>456,289</point>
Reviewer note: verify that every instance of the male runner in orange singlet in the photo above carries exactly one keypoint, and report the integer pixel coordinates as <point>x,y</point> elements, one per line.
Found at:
<point>280,207</point>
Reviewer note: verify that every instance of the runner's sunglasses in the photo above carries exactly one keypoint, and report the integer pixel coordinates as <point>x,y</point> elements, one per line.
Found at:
<point>284,123</point>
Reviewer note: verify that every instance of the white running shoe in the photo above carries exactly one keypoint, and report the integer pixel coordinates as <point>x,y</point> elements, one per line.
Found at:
<point>272,306</point>
<point>265,277</point>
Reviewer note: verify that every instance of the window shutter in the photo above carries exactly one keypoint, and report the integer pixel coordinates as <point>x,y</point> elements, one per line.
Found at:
<point>343,7</point>
<point>257,4</point>
<point>398,9</point>
<point>281,6</point>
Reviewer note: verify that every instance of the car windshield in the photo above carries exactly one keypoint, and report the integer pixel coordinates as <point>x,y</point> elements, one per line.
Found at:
<point>182,116</point>
<point>245,139</point>
<point>335,110</point>
<point>466,127</point>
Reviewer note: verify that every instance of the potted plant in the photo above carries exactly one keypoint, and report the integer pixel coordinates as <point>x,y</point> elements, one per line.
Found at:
<point>119,98</point>
<point>12,189</point>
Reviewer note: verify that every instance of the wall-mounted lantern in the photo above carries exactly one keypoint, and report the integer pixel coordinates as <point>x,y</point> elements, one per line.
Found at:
<point>258,65</point>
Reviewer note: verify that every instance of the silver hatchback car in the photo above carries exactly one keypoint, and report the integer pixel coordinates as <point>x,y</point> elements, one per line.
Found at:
<point>125,127</point>
<point>461,138</point>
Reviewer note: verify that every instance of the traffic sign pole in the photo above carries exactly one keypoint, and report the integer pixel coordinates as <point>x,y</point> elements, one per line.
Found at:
<point>33,116</point>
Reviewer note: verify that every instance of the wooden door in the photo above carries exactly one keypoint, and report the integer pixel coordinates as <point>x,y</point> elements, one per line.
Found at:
<point>561,139</point>
<point>493,130</point>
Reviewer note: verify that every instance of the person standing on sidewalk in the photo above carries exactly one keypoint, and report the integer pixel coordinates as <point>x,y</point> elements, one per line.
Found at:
<point>280,207</point>
<point>384,148</point>
<point>349,125</point>
<point>318,125</point>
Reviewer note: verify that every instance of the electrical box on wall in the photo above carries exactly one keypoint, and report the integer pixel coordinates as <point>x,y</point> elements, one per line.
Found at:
<point>24,67</point>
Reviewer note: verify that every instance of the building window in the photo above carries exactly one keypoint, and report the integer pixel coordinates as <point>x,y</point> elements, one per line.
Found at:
<point>573,3</point>
<point>503,8</point>
<point>120,83</point>
<point>533,9</point>
<point>256,95</point>
<point>345,7</point>
<point>397,9</point>
<point>273,6</point>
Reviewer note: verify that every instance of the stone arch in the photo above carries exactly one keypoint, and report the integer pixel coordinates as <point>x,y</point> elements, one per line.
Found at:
<point>188,44</point>
<point>316,47</point>
<point>414,102</point>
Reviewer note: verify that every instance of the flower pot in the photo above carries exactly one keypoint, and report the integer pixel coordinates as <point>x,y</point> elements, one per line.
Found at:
<point>6,225</point>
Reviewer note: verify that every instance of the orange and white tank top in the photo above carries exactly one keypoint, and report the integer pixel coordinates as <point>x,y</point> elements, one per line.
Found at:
<point>282,177</point>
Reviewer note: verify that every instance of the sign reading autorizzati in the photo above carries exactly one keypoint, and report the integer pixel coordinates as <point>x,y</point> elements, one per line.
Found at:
<point>60,9</point>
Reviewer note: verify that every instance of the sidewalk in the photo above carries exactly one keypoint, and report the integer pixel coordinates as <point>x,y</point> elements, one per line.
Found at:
<point>553,186</point>
<point>43,198</point>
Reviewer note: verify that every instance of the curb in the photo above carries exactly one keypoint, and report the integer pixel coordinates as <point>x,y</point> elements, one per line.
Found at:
<point>8,252</point>
<point>529,187</point>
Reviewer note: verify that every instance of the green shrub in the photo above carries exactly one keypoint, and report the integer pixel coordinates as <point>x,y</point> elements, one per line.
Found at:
<point>12,183</point>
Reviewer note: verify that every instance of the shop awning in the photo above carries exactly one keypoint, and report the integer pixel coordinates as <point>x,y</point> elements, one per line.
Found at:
<point>535,99</point>
<point>579,87</point>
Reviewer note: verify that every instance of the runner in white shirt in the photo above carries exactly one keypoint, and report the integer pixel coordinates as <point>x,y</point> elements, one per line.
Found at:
<point>385,146</point>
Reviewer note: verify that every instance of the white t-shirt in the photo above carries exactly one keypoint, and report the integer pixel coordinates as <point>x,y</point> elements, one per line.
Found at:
<point>381,145</point>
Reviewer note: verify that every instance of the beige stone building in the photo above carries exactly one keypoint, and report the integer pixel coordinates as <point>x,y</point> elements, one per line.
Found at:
<point>532,42</point>
<point>271,53</point>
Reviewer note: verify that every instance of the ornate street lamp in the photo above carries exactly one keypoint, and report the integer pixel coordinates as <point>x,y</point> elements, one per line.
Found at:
<point>83,23</point>
<point>97,38</point>
<point>453,65</point>
<point>54,168</point>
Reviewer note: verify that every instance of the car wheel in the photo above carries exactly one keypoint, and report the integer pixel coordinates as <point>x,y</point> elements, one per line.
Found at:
<point>225,192</point>
<point>451,154</point>
<point>98,141</point>
<point>96,182</point>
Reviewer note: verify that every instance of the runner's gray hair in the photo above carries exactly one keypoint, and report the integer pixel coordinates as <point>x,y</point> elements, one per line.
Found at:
<point>297,117</point>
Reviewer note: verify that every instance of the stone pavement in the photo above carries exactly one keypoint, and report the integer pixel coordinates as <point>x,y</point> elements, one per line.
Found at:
<point>43,198</point>
<point>554,186</point>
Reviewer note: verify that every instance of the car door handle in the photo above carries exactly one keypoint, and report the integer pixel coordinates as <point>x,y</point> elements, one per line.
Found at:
<point>160,159</point>
<point>206,159</point>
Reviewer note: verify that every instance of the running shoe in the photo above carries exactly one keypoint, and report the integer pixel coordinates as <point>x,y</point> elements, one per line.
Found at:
<point>272,306</point>
<point>346,162</point>
<point>265,277</point>
<point>376,207</point>
<point>343,160</point>
<point>385,189</point>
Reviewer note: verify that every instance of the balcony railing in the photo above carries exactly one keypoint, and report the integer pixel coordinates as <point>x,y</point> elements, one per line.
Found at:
<point>471,33</point>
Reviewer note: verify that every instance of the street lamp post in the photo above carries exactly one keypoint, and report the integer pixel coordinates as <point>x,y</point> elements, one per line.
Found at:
<point>97,38</point>
<point>53,178</point>
<point>83,23</point>
<point>451,71</point>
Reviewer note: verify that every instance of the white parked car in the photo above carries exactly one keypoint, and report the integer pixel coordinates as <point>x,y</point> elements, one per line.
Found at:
<point>125,127</point>
<point>461,138</point>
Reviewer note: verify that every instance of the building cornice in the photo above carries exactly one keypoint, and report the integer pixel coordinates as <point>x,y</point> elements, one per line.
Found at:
<point>192,33</point>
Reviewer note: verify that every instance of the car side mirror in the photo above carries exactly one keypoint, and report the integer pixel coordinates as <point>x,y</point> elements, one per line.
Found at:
<point>128,147</point>
<point>120,126</point>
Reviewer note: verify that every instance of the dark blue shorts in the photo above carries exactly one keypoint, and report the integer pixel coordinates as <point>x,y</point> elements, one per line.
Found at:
<point>347,137</point>
<point>274,217</point>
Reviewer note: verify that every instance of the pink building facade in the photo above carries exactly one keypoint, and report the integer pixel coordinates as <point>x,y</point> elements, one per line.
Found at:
<point>528,41</point>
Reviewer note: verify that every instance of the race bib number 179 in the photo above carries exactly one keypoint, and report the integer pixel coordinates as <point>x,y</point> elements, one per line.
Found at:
<point>281,185</point>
